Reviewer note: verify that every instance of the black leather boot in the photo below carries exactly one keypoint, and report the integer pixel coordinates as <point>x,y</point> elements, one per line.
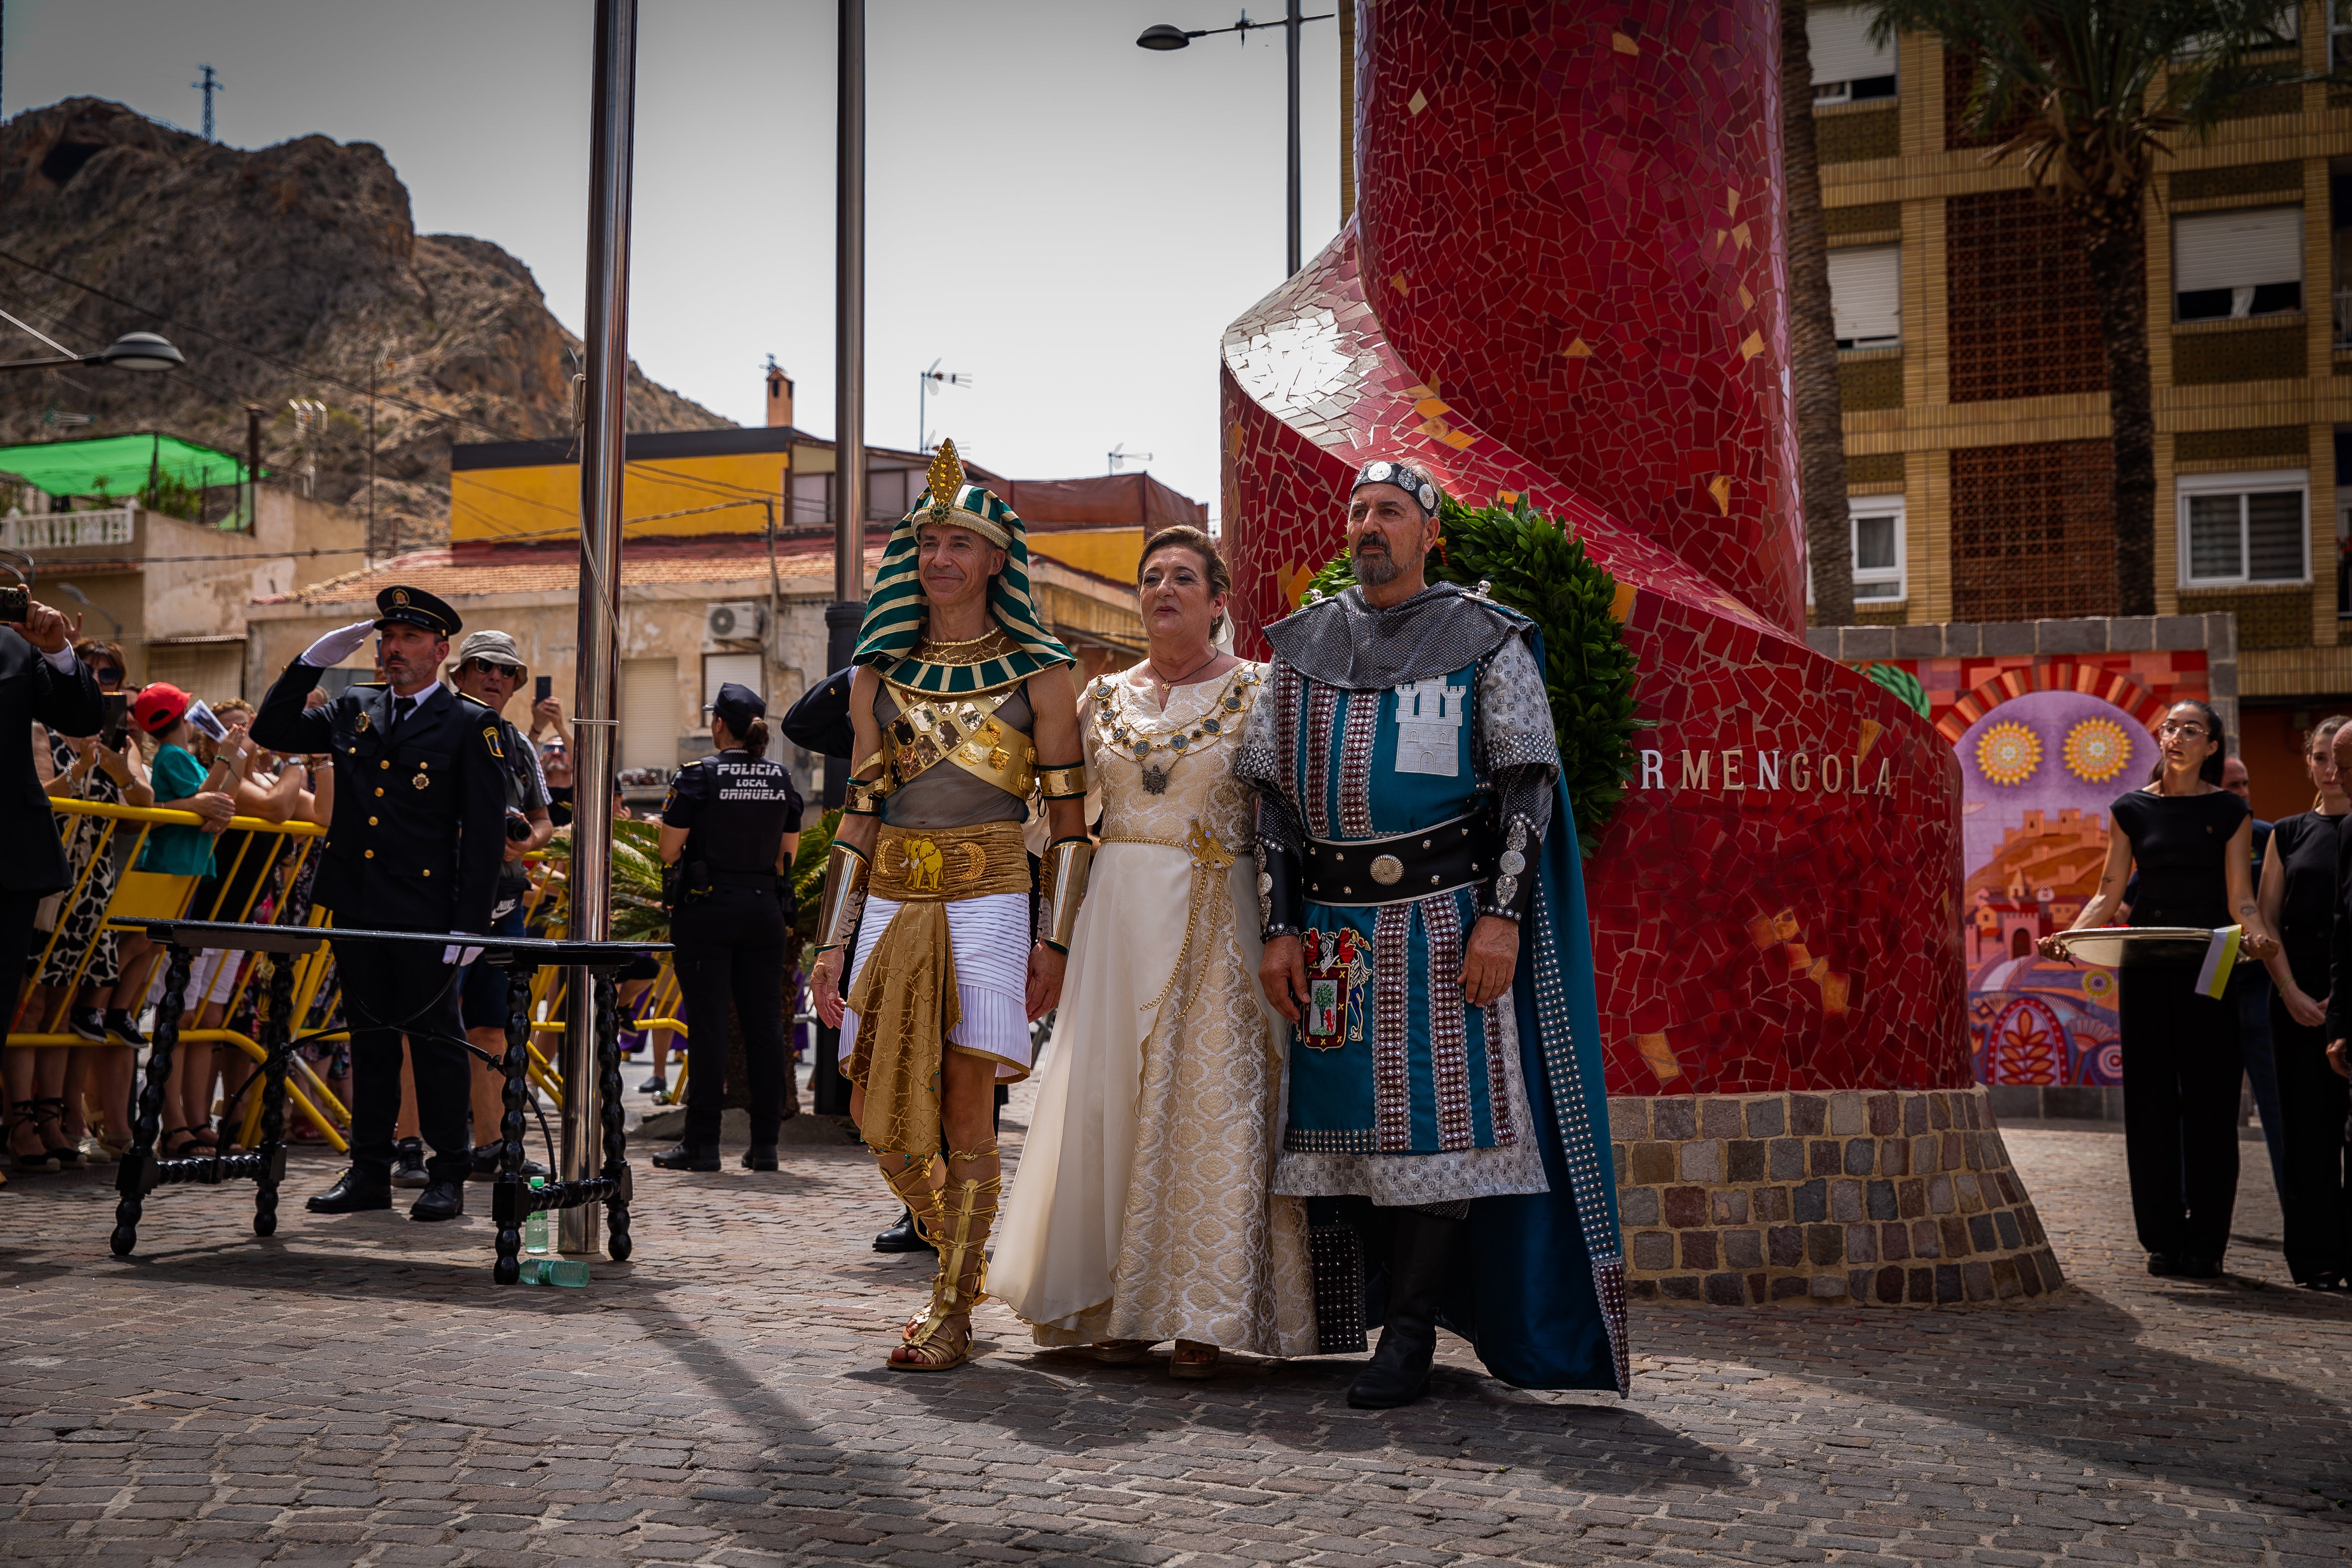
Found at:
<point>1421,1258</point>
<point>353,1190</point>
<point>760,1157</point>
<point>902,1236</point>
<point>687,1157</point>
<point>443,1199</point>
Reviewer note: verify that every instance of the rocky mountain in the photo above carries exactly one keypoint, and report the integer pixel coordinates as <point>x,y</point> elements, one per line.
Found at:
<point>283,273</point>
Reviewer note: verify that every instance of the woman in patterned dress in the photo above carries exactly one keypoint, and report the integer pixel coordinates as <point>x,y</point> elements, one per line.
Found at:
<point>1140,1213</point>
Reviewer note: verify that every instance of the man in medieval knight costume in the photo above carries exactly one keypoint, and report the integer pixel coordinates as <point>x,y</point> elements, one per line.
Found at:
<point>1425,931</point>
<point>963,707</point>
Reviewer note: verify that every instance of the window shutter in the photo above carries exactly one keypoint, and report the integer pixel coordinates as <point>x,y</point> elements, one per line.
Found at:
<point>1866,294</point>
<point>1842,50</point>
<point>2240,250</point>
<point>649,727</point>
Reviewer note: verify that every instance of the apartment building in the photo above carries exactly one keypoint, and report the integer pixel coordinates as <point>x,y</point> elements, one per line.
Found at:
<point>1976,410</point>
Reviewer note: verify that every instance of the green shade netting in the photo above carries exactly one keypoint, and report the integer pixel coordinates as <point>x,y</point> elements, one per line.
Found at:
<point>119,464</point>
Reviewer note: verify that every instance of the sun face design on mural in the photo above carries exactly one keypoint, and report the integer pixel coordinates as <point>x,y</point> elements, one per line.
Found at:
<point>2009,753</point>
<point>2097,750</point>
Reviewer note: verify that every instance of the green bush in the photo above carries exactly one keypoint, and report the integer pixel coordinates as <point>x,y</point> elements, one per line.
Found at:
<point>1539,568</point>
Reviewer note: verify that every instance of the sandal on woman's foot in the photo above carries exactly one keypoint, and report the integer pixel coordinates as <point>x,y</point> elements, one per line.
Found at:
<point>1120,1353</point>
<point>186,1149</point>
<point>41,1163</point>
<point>948,1345</point>
<point>48,1121</point>
<point>1193,1361</point>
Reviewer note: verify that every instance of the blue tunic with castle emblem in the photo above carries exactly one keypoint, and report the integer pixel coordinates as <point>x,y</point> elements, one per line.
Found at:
<point>1431,718</point>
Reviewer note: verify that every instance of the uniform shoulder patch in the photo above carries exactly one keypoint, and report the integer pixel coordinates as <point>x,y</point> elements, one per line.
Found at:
<point>490,739</point>
<point>463,697</point>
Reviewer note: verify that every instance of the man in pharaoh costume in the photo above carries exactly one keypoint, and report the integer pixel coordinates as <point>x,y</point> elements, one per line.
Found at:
<point>964,706</point>
<point>1425,931</point>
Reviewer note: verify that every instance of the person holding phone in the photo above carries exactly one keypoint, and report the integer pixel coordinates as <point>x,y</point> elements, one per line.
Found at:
<point>41,681</point>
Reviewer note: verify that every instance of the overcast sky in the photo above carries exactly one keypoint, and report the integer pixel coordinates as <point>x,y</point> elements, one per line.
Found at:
<point>1132,202</point>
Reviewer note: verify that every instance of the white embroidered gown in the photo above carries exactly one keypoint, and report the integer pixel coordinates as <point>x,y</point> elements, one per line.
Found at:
<point>1140,1210</point>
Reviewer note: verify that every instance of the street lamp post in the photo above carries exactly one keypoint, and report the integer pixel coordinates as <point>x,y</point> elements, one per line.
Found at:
<point>131,351</point>
<point>843,617</point>
<point>1161,37</point>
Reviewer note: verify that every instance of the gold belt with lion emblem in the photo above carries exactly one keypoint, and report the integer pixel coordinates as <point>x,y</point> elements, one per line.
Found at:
<point>948,863</point>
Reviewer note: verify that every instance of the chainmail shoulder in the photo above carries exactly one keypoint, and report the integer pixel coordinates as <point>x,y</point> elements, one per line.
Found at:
<point>1262,761</point>
<point>1348,643</point>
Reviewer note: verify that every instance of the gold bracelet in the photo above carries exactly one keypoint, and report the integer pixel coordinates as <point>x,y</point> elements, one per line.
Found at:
<point>1063,783</point>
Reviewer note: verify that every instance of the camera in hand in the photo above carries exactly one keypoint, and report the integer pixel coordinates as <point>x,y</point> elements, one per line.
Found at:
<point>16,604</point>
<point>518,825</point>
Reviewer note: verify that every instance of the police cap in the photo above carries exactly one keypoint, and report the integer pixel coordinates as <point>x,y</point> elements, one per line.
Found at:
<point>739,705</point>
<point>400,607</point>
<point>819,722</point>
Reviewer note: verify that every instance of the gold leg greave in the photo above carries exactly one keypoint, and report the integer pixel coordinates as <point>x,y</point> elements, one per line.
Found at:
<point>911,1183</point>
<point>967,1207</point>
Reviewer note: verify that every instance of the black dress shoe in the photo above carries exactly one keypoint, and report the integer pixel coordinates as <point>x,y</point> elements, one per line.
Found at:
<point>1421,1262</point>
<point>486,1164</point>
<point>2201,1268</point>
<point>2164,1265</point>
<point>686,1157</point>
<point>444,1199</point>
<point>903,1236</point>
<point>760,1157</point>
<point>408,1164</point>
<point>352,1192</point>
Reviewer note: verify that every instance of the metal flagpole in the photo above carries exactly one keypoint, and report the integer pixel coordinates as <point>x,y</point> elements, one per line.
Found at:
<point>849,608</point>
<point>604,430</point>
<point>1291,26</point>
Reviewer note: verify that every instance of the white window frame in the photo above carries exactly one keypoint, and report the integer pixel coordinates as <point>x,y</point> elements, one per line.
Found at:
<point>2189,486</point>
<point>1840,91</point>
<point>1857,508</point>
<point>1896,340</point>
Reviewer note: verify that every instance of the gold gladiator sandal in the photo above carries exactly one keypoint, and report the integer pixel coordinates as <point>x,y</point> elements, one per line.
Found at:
<point>968,1205</point>
<point>911,1184</point>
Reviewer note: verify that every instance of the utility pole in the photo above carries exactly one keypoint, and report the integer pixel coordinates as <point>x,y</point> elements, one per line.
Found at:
<point>253,468</point>
<point>612,149</point>
<point>209,85</point>
<point>843,617</point>
<point>373,361</point>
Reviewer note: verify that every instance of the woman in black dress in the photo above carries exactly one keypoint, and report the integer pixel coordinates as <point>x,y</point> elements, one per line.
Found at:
<point>2298,899</point>
<point>2192,841</point>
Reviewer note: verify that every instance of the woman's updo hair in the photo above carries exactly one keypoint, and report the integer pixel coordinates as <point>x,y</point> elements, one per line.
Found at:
<point>2212,770</point>
<point>1184,536</point>
<point>754,738</point>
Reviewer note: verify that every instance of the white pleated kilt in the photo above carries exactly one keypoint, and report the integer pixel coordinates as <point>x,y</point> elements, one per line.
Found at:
<point>989,937</point>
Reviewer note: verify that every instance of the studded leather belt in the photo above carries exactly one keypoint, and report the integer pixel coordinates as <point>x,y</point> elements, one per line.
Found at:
<point>1364,871</point>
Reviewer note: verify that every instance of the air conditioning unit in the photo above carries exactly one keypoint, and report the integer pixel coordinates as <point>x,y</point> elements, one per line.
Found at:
<point>739,620</point>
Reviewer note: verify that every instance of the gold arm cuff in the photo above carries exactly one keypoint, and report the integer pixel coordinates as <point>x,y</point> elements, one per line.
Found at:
<point>863,799</point>
<point>845,872</point>
<point>1066,864</point>
<point>1063,783</point>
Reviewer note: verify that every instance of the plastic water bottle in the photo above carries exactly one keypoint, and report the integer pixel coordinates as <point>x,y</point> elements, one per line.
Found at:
<point>534,1229</point>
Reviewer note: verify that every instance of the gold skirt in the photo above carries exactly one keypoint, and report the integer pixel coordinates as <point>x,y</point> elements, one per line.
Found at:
<point>905,996</point>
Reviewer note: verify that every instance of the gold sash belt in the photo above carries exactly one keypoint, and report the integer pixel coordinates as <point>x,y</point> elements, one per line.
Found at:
<point>912,864</point>
<point>905,997</point>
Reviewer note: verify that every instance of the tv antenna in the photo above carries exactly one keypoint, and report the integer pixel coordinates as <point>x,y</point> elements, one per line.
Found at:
<point>210,84</point>
<point>1119,454</point>
<point>934,376</point>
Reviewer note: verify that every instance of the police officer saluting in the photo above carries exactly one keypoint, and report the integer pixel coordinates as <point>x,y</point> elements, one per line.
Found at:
<point>416,844</point>
<point>729,831</point>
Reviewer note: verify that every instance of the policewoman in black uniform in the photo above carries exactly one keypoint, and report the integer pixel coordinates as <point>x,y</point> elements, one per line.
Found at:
<point>416,844</point>
<point>729,831</point>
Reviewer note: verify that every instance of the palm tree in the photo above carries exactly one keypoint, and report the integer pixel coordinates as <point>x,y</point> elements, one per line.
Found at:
<point>2087,95</point>
<point>1812,336</point>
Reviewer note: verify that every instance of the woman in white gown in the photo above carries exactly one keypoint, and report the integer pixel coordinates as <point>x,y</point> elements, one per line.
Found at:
<point>1140,1213</point>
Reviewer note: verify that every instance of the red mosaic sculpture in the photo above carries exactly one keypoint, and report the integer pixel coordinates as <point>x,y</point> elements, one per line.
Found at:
<point>1566,279</point>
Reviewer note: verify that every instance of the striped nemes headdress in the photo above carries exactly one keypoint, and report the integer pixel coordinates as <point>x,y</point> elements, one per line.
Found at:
<point>895,610</point>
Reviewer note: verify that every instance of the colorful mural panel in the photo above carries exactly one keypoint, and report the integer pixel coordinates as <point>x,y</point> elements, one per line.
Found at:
<point>2044,745</point>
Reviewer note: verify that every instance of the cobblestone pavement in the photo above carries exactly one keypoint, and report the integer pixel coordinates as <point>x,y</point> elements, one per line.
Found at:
<point>355,1391</point>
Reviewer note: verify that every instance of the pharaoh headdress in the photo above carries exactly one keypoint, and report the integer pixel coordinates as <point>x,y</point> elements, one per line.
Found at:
<point>895,610</point>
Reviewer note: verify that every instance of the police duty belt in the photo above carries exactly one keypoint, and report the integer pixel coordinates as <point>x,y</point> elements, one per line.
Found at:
<point>1395,870</point>
<point>964,731</point>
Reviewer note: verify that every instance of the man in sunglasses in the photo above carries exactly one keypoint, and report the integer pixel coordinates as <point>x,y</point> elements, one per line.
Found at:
<point>490,670</point>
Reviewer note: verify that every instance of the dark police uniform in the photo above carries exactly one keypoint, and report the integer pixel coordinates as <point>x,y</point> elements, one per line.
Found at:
<point>416,844</point>
<point>732,932</point>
